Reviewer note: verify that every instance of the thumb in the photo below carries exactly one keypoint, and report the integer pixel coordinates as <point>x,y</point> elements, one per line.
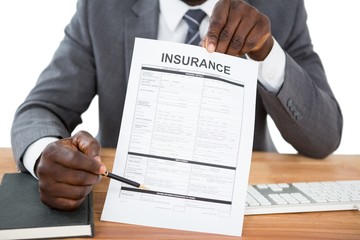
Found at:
<point>102,168</point>
<point>208,43</point>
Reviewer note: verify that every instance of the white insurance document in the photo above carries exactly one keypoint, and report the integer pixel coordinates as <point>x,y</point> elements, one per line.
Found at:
<point>186,134</point>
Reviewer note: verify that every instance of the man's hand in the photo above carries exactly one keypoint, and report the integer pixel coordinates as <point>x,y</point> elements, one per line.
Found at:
<point>236,28</point>
<point>67,170</point>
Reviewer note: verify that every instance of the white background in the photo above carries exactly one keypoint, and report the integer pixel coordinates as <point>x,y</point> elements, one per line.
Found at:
<point>31,31</point>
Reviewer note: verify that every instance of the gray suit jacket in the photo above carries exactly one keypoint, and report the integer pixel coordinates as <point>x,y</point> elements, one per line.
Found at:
<point>94,59</point>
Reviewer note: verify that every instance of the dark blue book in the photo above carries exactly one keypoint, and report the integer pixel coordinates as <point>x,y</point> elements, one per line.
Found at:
<point>24,216</point>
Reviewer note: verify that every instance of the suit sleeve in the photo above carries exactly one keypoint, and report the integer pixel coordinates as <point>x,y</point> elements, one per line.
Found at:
<point>62,93</point>
<point>305,110</point>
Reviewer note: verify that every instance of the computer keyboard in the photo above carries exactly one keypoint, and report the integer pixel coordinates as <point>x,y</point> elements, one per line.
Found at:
<point>303,197</point>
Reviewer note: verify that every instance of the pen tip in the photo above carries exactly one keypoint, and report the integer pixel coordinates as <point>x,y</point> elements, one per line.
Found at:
<point>143,187</point>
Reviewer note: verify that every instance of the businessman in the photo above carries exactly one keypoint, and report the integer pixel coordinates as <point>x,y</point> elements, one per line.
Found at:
<point>94,59</point>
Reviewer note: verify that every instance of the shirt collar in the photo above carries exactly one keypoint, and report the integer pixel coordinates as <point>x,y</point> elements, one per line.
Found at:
<point>174,10</point>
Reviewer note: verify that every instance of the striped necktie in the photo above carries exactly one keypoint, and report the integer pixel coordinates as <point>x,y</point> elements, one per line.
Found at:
<point>193,18</point>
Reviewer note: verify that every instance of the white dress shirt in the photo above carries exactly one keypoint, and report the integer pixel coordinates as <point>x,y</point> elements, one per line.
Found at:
<point>173,28</point>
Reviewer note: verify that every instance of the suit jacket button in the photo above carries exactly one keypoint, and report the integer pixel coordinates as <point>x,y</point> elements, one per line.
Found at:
<point>297,115</point>
<point>289,102</point>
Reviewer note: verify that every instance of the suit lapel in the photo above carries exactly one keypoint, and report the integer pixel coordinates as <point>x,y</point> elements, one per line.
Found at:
<point>142,23</point>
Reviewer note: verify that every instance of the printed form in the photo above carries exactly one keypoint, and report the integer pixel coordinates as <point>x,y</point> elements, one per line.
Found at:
<point>186,134</point>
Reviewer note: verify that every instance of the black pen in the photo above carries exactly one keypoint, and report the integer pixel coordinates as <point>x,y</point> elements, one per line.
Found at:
<point>124,180</point>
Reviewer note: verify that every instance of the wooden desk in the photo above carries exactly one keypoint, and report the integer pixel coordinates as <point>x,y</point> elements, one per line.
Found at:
<point>265,168</point>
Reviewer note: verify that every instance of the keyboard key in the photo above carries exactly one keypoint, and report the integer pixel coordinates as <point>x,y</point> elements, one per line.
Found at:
<point>276,188</point>
<point>303,197</point>
<point>262,186</point>
<point>283,185</point>
<point>278,199</point>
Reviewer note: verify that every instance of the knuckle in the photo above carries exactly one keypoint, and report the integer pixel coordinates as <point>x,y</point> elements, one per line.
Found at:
<point>70,205</point>
<point>264,20</point>
<point>238,5</point>
<point>49,151</point>
<point>94,143</point>
<point>40,170</point>
<point>86,142</point>
<point>245,7</point>
<point>44,199</point>
<point>81,133</point>
<point>225,34</point>
<point>95,166</point>
<point>43,187</point>
<point>80,193</point>
<point>237,42</point>
<point>251,43</point>
<point>61,203</point>
<point>216,23</point>
<point>254,13</point>
<point>79,178</point>
<point>213,36</point>
<point>82,178</point>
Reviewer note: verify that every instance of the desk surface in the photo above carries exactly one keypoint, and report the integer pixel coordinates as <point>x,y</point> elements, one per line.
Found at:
<point>265,168</point>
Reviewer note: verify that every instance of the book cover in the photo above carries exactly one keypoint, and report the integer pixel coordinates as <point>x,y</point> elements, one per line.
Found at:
<point>24,216</point>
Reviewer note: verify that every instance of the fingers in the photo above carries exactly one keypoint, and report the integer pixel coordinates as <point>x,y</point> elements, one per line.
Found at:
<point>67,170</point>
<point>63,153</point>
<point>236,28</point>
<point>87,144</point>
<point>63,204</point>
<point>217,22</point>
<point>262,48</point>
<point>63,174</point>
<point>240,43</point>
<point>66,197</point>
